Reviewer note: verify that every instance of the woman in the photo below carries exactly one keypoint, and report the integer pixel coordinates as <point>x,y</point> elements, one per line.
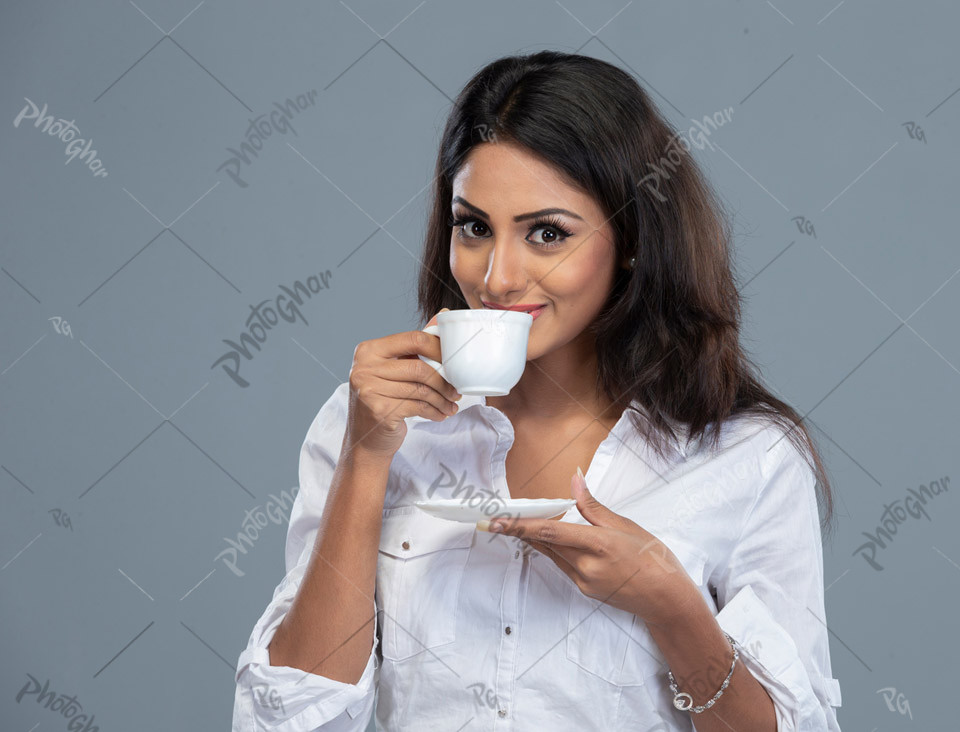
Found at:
<point>685,589</point>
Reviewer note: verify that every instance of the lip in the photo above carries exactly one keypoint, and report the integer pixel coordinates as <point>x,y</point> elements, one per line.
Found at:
<point>526,308</point>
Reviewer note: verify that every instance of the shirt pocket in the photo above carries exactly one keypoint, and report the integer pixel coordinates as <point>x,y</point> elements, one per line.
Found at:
<point>615,644</point>
<point>420,566</point>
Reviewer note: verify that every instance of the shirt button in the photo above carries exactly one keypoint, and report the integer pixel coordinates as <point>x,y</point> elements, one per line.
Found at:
<point>507,630</point>
<point>516,554</point>
<point>502,712</point>
<point>406,545</point>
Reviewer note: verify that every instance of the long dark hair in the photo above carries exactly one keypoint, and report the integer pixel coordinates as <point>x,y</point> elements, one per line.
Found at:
<point>668,335</point>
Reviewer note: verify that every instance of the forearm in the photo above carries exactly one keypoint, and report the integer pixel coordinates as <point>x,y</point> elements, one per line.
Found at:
<point>329,627</point>
<point>699,656</point>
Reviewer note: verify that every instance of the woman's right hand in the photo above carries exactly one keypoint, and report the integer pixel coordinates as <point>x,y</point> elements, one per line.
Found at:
<point>388,382</point>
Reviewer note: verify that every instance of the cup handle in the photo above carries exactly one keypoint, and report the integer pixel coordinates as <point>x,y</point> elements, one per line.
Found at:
<point>433,330</point>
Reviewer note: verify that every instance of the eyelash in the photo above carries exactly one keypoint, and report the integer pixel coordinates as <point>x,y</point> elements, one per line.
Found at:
<point>551,222</point>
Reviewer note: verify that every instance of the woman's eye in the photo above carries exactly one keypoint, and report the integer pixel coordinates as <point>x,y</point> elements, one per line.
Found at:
<point>462,225</point>
<point>469,226</point>
<point>552,235</point>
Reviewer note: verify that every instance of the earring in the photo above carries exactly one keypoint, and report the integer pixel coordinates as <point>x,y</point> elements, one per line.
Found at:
<point>633,262</point>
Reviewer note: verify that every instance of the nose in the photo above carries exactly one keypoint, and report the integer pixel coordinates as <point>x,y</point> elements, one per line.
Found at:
<point>506,272</point>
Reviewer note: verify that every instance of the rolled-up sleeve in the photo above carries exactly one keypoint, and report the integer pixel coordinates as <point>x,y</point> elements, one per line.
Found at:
<point>283,698</point>
<point>770,595</point>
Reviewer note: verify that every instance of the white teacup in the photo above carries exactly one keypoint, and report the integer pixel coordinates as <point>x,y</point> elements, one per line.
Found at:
<point>483,351</point>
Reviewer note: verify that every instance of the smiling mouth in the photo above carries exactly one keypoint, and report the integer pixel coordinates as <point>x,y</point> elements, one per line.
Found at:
<point>530,309</point>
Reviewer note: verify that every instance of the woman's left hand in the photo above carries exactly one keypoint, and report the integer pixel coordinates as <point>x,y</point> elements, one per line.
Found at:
<point>614,560</point>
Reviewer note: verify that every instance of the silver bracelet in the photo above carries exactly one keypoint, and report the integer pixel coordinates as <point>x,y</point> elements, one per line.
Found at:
<point>684,702</point>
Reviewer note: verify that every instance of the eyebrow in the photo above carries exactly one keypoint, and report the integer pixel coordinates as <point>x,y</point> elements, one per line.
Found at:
<point>521,217</point>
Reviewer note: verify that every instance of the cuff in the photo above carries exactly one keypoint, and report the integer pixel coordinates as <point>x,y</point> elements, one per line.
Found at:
<point>774,661</point>
<point>288,699</point>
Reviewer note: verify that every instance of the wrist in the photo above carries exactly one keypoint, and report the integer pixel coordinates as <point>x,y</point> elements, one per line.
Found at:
<point>357,458</point>
<point>683,605</point>
<point>360,482</point>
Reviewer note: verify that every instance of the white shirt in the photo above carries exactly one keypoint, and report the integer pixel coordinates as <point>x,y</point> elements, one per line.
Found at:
<point>474,633</point>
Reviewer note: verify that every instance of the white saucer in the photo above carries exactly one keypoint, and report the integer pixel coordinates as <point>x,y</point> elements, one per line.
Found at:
<point>455,509</point>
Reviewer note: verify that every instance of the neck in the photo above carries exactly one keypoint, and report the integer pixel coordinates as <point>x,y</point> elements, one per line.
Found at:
<point>559,385</point>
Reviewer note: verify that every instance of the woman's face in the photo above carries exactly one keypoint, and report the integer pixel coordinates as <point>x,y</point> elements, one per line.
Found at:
<point>567,265</point>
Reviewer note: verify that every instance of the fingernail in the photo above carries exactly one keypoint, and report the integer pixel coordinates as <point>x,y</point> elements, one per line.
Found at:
<point>580,473</point>
<point>483,525</point>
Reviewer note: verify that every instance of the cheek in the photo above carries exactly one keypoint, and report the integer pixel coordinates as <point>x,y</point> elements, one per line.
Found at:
<point>458,263</point>
<point>579,276</point>
<point>600,267</point>
<point>466,263</point>
<point>468,272</point>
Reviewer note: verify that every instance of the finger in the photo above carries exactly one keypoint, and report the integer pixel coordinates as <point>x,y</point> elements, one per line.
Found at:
<point>406,344</point>
<point>565,566</point>
<point>569,554</point>
<point>551,532</point>
<point>402,372</point>
<point>590,508</point>
<point>418,391</point>
<point>432,321</point>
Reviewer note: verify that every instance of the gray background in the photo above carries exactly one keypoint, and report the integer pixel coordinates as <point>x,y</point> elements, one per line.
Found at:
<point>156,456</point>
